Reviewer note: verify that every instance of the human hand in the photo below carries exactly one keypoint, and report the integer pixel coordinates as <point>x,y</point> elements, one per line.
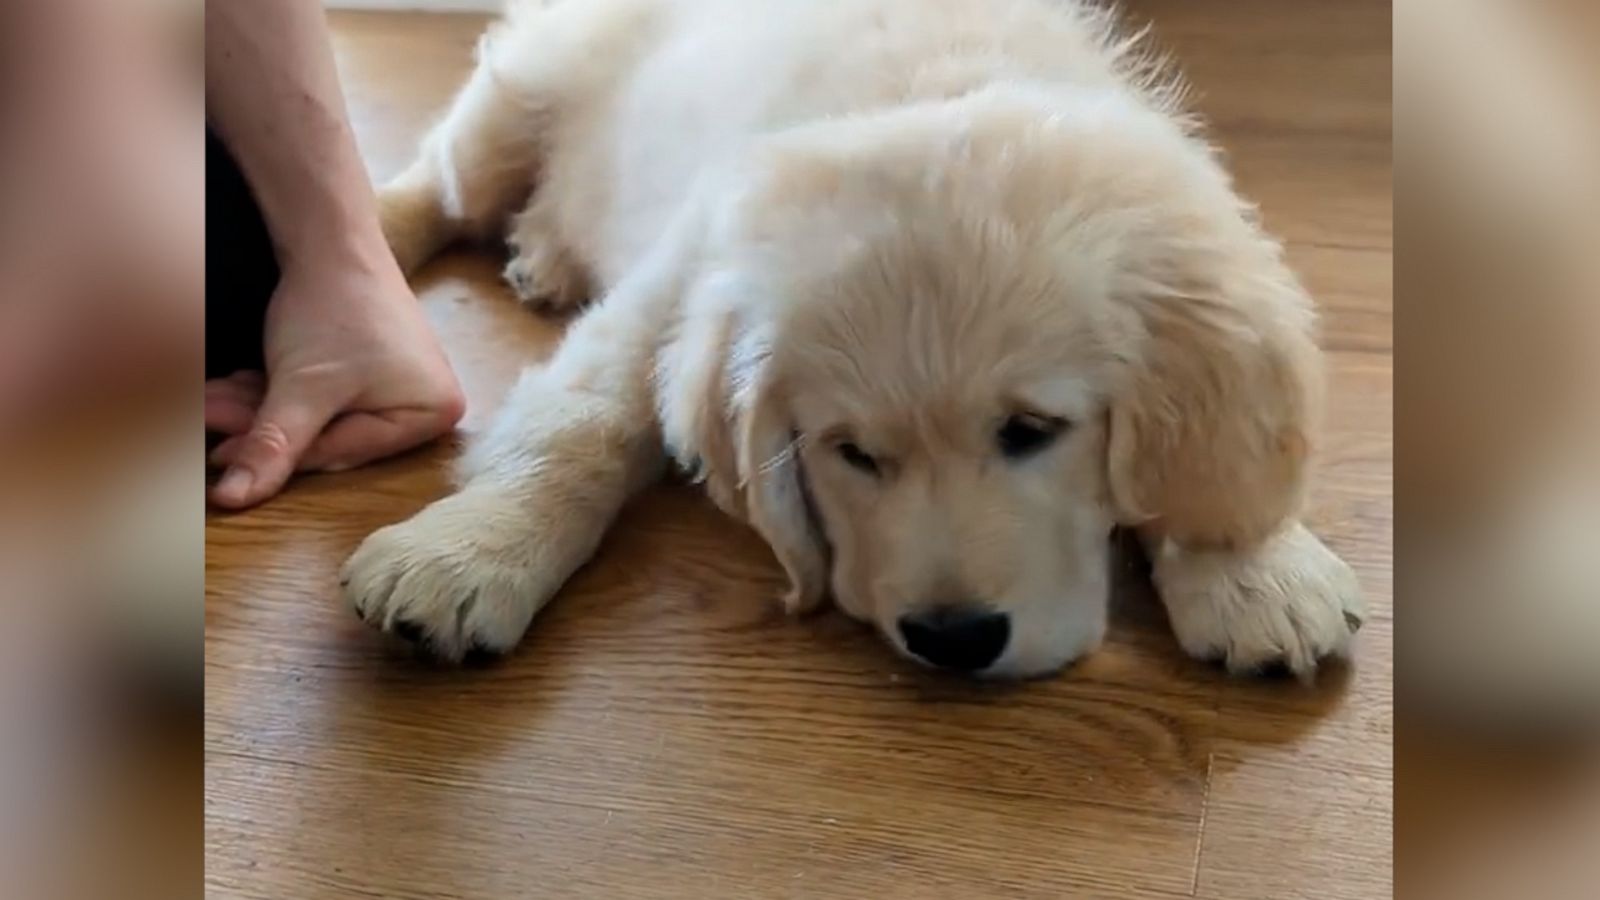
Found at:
<point>354,374</point>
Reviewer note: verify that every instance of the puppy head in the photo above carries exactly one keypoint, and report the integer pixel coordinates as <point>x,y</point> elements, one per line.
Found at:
<point>939,353</point>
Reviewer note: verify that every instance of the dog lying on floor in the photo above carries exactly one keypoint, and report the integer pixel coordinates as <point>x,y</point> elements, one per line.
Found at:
<point>931,293</point>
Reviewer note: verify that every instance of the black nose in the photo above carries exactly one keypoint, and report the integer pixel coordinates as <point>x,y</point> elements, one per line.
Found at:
<point>963,638</point>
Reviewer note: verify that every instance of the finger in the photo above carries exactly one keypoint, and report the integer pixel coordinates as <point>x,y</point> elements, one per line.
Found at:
<point>253,379</point>
<point>231,402</point>
<point>223,454</point>
<point>228,415</point>
<point>263,461</point>
<point>243,385</point>
<point>359,438</point>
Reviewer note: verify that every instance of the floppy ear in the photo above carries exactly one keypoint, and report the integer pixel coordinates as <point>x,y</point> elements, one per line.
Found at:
<point>774,493</point>
<point>1211,434</point>
<point>696,408</point>
<point>726,420</point>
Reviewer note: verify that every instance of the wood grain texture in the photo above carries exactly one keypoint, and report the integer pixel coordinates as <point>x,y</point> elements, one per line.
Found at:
<point>665,732</point>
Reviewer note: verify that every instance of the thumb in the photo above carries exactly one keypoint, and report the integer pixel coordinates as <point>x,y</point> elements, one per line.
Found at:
<point>265,457</point>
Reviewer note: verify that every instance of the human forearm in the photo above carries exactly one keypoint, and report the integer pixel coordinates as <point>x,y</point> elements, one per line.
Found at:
<point>273,95</point>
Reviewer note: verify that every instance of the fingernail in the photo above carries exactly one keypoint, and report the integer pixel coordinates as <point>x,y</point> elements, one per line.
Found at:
<point>235,484</point>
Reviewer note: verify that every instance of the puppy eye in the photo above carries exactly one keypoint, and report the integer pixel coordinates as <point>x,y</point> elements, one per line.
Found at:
<point>857,458</point>
<point>1024,435</point>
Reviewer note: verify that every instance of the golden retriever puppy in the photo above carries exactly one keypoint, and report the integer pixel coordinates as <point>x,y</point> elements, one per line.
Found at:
<point>931,293</point>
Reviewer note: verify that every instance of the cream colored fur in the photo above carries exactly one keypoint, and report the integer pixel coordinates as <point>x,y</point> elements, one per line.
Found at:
<point>893,224</point>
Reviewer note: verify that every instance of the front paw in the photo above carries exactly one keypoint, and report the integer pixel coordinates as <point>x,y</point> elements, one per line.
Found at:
<point>1289,602</point>
<point>544,277</point>
<point>452,579</point>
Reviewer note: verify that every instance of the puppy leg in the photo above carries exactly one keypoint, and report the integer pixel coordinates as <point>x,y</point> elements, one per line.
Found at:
<point>575,440</point>
<point>1287,600</point>
<point>473,168</point>
<point>542,272</point>
<point>479,164</point>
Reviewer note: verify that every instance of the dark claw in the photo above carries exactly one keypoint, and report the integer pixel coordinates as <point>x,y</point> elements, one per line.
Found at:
<point>409,631</point>
<point>480,655</point>
<point>1277,670</point>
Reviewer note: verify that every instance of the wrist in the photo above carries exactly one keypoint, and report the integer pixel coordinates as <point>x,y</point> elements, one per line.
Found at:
<point>316,198</point>
<point>321,242</point>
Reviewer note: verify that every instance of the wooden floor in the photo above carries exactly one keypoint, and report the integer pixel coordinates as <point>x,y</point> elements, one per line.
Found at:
<point>665,732</point>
